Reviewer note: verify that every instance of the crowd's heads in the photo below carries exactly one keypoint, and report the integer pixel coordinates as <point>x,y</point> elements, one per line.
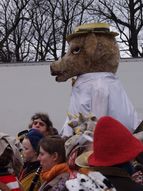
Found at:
<point>42,123</point>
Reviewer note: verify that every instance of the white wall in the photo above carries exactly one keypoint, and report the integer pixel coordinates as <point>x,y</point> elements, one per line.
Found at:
<point>25,90</point>
<point>130,72</point>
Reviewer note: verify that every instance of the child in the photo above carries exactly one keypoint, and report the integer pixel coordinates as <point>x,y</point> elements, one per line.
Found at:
<point>31,164</point>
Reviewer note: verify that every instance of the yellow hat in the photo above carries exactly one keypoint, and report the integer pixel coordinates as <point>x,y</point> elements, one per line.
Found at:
<point>103,28</point>
<point>82,159</point>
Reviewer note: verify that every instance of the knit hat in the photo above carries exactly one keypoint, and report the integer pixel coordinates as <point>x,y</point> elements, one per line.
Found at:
<point>100,28</point>
<point>113,143</point>
<point>34,137</point>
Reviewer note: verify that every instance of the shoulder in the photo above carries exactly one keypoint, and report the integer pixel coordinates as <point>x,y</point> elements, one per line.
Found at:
<point>58,183</point>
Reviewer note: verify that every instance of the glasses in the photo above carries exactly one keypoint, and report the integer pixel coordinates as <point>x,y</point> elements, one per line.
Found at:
<point>39,122</point>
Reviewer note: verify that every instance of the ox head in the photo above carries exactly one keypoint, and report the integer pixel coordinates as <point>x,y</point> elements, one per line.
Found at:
<point>92,48</point>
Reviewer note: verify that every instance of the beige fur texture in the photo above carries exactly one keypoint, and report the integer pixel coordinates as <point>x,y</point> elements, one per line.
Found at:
<point>87,53</point>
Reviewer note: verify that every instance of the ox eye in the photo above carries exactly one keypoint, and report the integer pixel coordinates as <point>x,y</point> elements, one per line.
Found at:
<point>76,50</point>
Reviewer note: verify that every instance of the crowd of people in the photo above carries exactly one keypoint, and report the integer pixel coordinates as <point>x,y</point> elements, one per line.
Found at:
<point>106,157</point>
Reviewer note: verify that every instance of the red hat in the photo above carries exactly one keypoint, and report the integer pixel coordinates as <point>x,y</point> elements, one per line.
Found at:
<point>113,143</point>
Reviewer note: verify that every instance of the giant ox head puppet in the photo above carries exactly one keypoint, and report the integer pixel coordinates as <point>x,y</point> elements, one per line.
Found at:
<point>92,48</point>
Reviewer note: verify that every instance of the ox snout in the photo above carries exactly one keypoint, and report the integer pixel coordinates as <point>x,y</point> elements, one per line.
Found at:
<point>53,73</point>
<point>54,68</point>
<point>56,71</point>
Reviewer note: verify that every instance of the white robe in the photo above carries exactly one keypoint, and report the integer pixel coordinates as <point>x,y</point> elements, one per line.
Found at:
<point>101,93</point>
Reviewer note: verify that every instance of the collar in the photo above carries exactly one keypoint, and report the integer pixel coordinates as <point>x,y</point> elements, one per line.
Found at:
<point>54,171</point>
<point>112,171</point>
<point>31,166</point>
<point>93,76</point>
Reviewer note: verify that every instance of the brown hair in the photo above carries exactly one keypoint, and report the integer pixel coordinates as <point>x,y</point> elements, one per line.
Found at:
<point>45,118</point>
<point>52,145</point>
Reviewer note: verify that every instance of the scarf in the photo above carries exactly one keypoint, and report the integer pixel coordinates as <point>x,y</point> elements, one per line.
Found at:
<point>54,171</point>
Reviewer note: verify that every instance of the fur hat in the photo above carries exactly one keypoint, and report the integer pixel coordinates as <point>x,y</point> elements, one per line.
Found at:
<point>113,143</point>
<point>5,141</point>
<point>100,28</point>
<point>3,145</point>
<point>34,137</point>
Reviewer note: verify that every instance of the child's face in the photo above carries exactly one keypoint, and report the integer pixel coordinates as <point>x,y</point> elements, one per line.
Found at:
<point>29,154</point>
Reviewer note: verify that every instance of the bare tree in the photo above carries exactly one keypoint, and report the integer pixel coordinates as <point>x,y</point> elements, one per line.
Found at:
<point>72,14</point>
<point>52,20</point>
<point>65,15</point>
<point>127,16</point>
<point>10,17</point>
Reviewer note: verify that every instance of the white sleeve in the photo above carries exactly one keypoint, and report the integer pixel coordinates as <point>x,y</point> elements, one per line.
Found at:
<point>66,130</point>
<point>99,100</point>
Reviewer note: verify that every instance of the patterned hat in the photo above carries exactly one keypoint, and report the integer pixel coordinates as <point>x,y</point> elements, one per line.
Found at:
<point>100,28</point>
<point>93,181</point>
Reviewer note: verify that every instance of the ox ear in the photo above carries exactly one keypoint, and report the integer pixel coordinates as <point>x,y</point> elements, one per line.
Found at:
<point>92,117</point>
<point>82,118</point>
<point>70,116</point>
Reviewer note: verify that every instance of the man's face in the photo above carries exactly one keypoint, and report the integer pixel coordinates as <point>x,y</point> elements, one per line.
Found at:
<point>40,126</point>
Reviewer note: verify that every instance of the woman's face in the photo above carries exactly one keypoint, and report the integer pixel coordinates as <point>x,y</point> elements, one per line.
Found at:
<point>47,161</point>
<point>29,154</point>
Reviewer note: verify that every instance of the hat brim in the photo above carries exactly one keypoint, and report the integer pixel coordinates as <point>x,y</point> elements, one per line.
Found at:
<point>82,160</point>
<point>76,34</point>
<point>121,158</point>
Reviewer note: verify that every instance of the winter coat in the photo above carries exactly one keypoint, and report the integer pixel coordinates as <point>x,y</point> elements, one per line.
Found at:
<point>56,184</point>
<point>120,179</point>
<point>28,174</point>
<point>8,181</point>
<point>55,178</point>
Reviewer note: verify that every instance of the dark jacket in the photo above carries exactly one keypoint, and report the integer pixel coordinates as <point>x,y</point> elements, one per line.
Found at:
<point>28,176</point>
<point>120,178</point>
